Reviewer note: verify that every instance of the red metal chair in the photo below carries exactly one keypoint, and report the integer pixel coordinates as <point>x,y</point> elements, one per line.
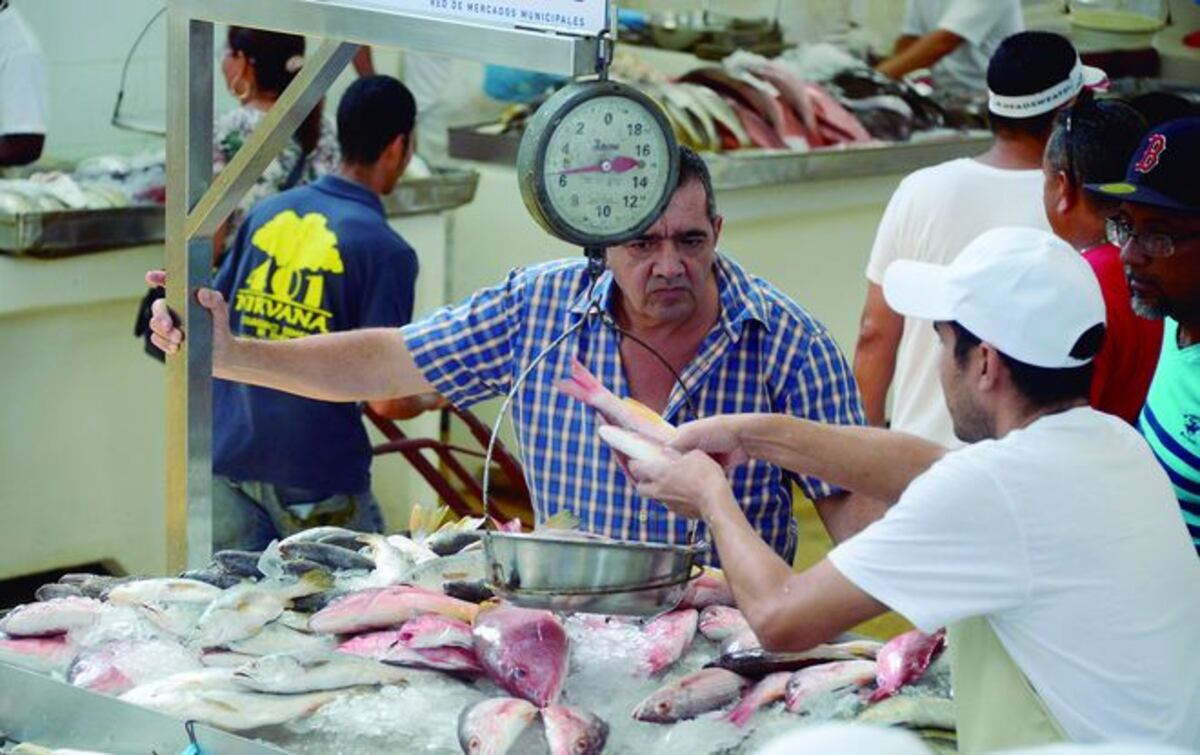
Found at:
<point>441,465</point>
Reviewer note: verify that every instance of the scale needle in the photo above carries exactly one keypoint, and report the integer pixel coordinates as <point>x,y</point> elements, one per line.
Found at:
<point>620,164</point>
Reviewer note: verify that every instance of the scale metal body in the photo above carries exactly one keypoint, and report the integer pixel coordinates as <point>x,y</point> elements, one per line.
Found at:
<point>597,167</point>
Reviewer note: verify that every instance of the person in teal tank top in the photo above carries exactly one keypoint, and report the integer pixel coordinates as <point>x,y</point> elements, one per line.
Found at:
<point>1158,231</point>
<point>1170,420</point>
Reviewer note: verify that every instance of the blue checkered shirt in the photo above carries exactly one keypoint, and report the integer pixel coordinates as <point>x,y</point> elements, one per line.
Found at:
<point>766,354</point>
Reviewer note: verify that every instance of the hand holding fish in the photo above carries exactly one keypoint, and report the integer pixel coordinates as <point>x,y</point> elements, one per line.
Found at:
<point>716,436</point>
<point>689,484</point>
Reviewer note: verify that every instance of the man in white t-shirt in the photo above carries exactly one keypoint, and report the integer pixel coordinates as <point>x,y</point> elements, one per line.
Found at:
<point>23,90</point>
<point>954,38</point>
<point>936,211</point>
<point>1050,548</point>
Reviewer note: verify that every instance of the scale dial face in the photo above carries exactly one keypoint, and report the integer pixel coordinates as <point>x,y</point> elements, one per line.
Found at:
<point>605,164</point>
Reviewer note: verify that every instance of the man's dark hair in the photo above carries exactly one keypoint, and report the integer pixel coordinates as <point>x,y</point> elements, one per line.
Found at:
<point>1041,386</point>
<point>373,112</point>
<point>1104,135</point>
<point>1028,62</point>
<point>693,168</point>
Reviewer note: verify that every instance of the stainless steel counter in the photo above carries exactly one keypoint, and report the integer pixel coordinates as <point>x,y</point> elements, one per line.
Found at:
<point>35,708</point>
<point>67,232</point>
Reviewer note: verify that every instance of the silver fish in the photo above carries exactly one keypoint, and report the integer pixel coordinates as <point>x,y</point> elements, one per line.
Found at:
<point>57,590</point>
<point>333,556</point>
<point>912,712</point>
<point>239,563</point>
<point>51,617</point>
<point>291,674</point>
<point>760,662</point>
<point>322,534</point>
<point>213,576</point>
<point>392,565</point>
<point>279,638</point>
<point>242,611</point>
<point>211,696</point>
<point>164,590</point>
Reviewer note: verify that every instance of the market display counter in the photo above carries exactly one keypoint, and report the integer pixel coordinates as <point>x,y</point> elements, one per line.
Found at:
<point>58,715</point>
<point>81,463</point>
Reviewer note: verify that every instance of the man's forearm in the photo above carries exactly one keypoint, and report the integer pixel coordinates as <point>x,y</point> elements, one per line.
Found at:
<point>787,611</point>
<point>922,53</point>
<point>870,461</point>
<point>358,365</point>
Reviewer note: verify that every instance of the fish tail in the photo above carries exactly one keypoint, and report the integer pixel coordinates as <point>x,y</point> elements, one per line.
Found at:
<point>582,385</point>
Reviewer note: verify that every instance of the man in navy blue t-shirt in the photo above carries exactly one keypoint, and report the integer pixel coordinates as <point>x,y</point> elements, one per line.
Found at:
<point>315,259</point>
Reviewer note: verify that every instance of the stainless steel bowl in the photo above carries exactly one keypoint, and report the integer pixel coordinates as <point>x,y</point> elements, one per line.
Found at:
<point>570,574</point>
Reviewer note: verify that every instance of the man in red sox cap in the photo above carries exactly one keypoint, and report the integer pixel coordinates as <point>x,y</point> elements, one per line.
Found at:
<point>1158,230</point>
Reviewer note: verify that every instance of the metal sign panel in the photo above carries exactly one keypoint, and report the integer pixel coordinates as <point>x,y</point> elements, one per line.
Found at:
<point>572,16</point>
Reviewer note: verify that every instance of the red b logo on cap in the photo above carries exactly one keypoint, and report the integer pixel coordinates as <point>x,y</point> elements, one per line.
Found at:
<point>1155,146</point>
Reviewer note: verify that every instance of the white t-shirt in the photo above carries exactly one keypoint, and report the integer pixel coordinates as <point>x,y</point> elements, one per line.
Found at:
<point>933,215</point>
<point>983,25</point>
<point>23,79</point>
<point>1066,536</point>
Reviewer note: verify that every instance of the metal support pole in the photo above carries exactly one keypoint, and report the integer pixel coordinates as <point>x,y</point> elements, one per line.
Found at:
<point>189,375</point>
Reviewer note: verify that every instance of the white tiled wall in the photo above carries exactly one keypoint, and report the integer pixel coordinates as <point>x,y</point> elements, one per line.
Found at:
<point>86,49</point>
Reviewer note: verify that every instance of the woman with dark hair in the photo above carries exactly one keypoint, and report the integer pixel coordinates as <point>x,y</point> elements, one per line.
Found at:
<point>258,65</point>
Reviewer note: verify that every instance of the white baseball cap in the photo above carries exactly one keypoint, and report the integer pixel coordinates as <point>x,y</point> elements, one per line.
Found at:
<point>1022,290</point>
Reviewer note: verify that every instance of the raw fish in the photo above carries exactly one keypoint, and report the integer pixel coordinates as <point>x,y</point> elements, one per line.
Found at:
<point>525,651</point>
<point>705,690</point>
<point>827,677</point>
<point>903,660</point>
<point>492,726</point>
<point>667,638</point>
<point>573,731</point>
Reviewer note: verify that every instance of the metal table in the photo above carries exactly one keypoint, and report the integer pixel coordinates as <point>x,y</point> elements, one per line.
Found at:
<point>54,714</point>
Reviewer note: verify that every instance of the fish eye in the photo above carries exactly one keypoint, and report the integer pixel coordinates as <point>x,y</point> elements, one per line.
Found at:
<point>519,673</point>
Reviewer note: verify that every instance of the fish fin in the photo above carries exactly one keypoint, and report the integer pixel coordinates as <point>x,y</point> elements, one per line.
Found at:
<point>270,563</point>
<point>319,579</point>
<point>564,519</point>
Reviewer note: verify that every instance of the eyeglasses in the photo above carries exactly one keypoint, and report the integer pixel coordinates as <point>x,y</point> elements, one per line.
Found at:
<point>1119,231</point>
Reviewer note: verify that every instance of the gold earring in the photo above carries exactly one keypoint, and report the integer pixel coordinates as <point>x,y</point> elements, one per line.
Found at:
<point>243,94</point>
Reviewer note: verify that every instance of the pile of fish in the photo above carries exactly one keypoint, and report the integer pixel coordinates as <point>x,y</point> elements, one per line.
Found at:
<point>333,639</point>
<point>786,103</point>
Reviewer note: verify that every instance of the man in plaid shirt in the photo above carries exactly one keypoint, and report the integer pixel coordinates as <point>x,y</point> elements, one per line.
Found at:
<point>739,344</point>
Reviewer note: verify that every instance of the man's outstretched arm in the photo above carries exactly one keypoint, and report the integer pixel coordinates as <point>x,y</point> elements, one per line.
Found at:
<point>359,365</point>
